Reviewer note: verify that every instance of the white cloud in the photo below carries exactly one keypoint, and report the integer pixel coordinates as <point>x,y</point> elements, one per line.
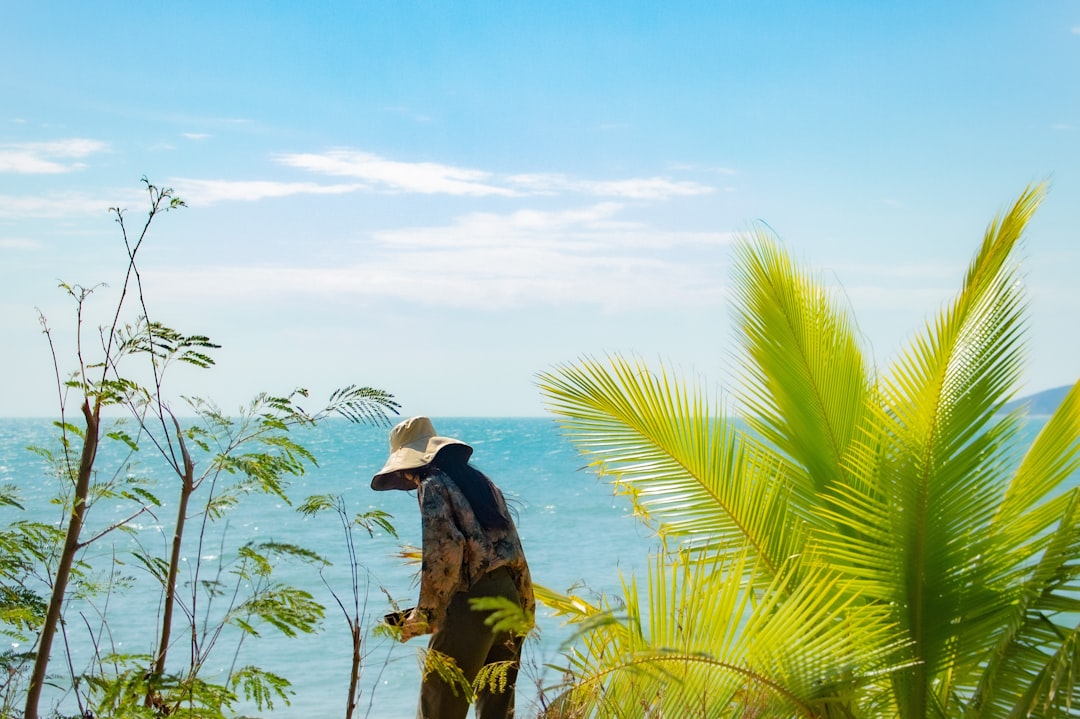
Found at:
<point>395,176</point>
<point>485,229</point>
<point>492,279</point>
<point>54,205</point>
<point>645,188</point>
<point>47,157</point>
<point>194,192</point>
<point>196,135</point>
<point>434,178</point>
<point>207,192</point>
<point>1076,30</point>
<point>494,261</point>
<point>578,231</point>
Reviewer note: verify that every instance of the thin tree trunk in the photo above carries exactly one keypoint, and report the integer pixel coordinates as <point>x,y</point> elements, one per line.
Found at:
<point>187,482</point>
<point>67,558</point>
<point>354,676</point>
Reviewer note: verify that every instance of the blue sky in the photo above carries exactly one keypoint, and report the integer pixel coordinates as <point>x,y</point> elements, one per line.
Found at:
<point>443,199</point>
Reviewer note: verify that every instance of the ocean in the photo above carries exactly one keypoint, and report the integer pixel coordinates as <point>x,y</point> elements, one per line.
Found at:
<point>574,531</point>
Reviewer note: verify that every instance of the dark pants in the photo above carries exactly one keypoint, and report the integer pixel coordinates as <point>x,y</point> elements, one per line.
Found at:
<point>463,636</point>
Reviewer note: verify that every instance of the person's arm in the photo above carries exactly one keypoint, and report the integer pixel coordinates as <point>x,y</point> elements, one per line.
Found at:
<point>442,556</point>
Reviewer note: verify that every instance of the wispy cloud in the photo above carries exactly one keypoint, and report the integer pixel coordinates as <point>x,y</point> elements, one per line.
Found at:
<point>581,231</point>
<point>196,135</point>
<point>642,188</point>
<point>396,176</point>
<point>387,175</point>
<point>47,157</point>
<point>207,192</point>
<point>495,261</point>
<point>487,229</point>
<point>590,256</point>
<point>68,204</point>
<point>371,172</point>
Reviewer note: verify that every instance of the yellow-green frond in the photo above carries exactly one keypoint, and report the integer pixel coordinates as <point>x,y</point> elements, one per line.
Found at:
<point>953,378</point>
<point>806,379</point>
<point>1054,455</point>
<point>709,644</point>
<point>689,470</point>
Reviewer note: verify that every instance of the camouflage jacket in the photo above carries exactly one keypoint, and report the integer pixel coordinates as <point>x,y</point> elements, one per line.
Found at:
<point>458,550</point>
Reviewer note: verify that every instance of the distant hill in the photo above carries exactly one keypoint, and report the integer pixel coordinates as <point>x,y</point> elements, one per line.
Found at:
<point>1041,402</point>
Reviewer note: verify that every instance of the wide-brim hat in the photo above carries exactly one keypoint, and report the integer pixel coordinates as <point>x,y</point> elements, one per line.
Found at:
<point>413,444</point>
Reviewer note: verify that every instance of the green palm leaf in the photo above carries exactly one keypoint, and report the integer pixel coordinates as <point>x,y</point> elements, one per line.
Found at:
<point>1041,535</point>
<point>708,644</point>
<point>1053,456</point>
<point>690,471</point>
<point>806,380</point>
<point>933,471</point>
<point>861,546</point>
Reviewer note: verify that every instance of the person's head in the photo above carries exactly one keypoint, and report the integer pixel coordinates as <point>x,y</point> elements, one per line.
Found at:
<point>413,446</point>
<point>417,452</point>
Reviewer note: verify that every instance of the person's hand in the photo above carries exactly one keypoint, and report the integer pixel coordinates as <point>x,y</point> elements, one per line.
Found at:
<point>415,625</point>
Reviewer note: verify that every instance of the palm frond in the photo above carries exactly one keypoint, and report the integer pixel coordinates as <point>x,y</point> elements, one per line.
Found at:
<point>1044,608</point>
<point>933,469</point>
<point>807,382</point>
<point>709,644</point>
<point>861,546</point>
<point>1054,686</point>
<point>1054,456</point>
<point>1038,536</point>
<point>953,379</point>
<point>692,472</point>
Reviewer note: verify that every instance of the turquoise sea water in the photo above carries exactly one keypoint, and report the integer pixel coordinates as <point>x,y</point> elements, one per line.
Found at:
<point>573,530</point>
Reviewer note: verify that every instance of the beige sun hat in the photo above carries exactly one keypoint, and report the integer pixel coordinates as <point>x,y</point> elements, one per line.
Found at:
<point>413,444</point>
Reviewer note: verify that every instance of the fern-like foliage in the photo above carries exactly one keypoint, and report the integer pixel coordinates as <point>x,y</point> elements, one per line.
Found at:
<point>857,542</point>
<point>213,462</point>
<point>443,665</point>
<point>363,405</point>
<point>495,678</point>
<point>261,687</point>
